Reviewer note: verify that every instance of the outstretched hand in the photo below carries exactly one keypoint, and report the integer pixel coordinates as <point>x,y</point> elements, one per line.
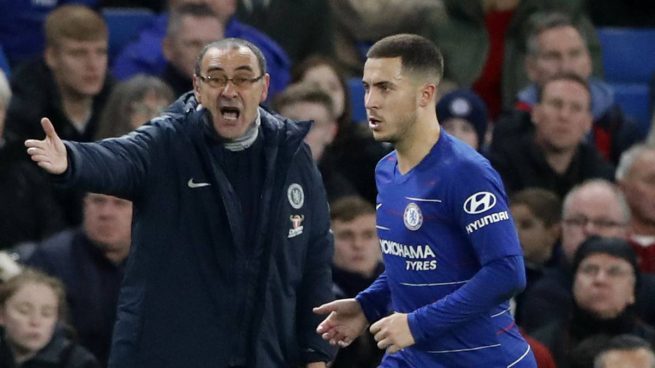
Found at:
<point>344,324</point>
<point>49,153</point>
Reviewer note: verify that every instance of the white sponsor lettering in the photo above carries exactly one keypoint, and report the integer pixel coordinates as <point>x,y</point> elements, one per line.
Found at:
<point>486,220</point>
<point>420,265</point>
<point>406,251</point>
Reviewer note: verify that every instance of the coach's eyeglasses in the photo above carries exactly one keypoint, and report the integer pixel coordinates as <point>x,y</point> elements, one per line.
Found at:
<point>221,80</point>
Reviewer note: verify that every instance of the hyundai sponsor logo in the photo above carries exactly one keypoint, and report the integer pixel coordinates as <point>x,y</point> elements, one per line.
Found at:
<point>479,202</point>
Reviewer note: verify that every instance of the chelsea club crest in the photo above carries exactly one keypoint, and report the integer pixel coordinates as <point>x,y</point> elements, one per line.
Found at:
<point>413,217</point>
<point>296,195</point>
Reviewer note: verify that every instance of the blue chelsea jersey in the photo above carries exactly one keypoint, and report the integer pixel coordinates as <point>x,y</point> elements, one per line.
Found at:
<point>438,224</point>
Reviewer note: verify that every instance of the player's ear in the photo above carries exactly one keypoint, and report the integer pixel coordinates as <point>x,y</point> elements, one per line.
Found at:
<point>427,95</point>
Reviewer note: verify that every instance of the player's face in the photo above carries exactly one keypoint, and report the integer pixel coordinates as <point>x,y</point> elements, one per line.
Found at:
<point>391,99</point>
<point>604,285</point>
<point>233,108</point>
<point>29,317</point>
<point>356,247</point>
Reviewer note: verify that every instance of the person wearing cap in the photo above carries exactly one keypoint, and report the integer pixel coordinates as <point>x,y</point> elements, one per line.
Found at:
<point>626,351</point>
<point>606,277</point>
<point>463,114</point>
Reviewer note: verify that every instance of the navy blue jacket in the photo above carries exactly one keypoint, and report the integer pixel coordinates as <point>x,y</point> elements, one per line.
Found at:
<point>186,266</point>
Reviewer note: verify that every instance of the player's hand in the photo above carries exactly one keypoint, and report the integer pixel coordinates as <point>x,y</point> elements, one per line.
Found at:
<point>392,333</point>
<point>49,153</point>
<point>344,324</point>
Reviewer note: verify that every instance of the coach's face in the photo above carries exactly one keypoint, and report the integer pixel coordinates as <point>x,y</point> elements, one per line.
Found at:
<point>231,85</point>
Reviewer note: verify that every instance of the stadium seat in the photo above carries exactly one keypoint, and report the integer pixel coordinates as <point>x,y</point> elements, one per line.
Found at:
<point>628,56</point>
<point>124,25</point>
<point>356,90</point>
<point>634,100</point>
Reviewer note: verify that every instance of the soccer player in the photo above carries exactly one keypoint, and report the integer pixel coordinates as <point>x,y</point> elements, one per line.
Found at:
<point>451,253</point>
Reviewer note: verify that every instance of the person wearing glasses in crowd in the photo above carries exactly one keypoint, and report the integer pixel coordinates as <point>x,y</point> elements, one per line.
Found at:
<point>231,224</point>
<point>595,207</point>
<point>605,278</point>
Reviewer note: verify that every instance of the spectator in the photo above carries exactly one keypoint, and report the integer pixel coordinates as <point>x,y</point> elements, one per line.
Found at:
<point>90,261</point>
<point>636,178</point>
<point>235,240</point>
<point>357,262</point>
<point>354,152</point>
<point>595,207</point>
<point>605,277</point>
<point>190,27</point>
<point>311,20</point>
<point>556,156</point>
<point>308,101</point>
<point>484,44</point>
<point>463,114</point>
<point>555,45</point>
<point>69,84</point>
<point>357,24</point>
<point>31,305</point>
<point>28,210</point>
<point>21,27</point>
<point>145,54</point>
<point>537,213</point>
<point>132,103</point>
<point>626,351</point>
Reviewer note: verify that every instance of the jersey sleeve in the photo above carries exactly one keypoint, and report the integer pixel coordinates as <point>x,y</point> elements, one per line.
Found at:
<point>479,207</point>
<point>375,299</point>
<point>481,210</point>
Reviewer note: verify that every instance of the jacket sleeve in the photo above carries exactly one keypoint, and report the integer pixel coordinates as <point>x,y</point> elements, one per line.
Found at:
<point>116,166</point>
<point>316,287</point>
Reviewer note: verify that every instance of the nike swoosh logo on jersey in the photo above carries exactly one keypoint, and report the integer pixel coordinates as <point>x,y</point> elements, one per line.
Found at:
<point>377,206</point>
<point>192,184</point>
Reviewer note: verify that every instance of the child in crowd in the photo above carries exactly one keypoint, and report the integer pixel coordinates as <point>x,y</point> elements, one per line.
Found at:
<point>31,305</point>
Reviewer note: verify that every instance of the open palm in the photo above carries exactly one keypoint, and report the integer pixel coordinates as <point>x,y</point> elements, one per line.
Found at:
<point>345,322</point>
